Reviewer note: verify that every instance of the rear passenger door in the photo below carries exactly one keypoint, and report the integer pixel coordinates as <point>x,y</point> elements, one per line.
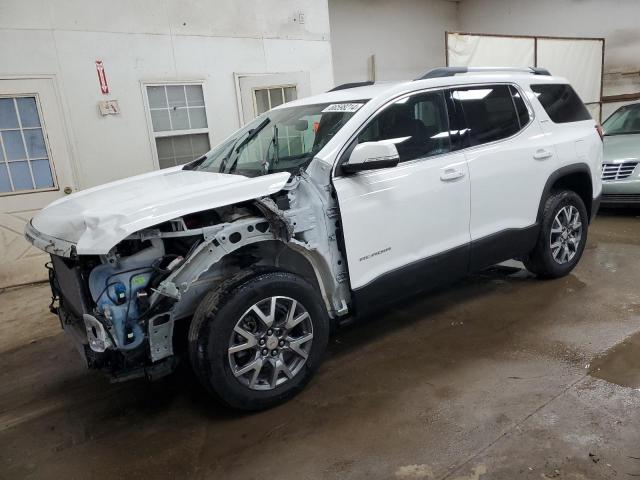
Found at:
<point>510,160</point>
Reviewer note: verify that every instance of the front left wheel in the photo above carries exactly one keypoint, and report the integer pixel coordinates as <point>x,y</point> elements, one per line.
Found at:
<point>256,343</point>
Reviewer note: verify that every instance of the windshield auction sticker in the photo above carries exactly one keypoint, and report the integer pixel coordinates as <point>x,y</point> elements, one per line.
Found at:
<point>343,107</point>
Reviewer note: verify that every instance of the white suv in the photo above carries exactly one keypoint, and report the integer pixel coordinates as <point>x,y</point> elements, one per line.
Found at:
<point>317,210</point>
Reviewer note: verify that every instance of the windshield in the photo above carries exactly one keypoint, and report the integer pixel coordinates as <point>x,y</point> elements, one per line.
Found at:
<point>281,140</point>
<point>625,120</point>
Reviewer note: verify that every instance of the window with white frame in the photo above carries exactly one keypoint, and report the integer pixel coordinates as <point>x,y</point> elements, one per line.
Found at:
<point>24,157</point>
<point>179,122</point>
<point>268,98</point>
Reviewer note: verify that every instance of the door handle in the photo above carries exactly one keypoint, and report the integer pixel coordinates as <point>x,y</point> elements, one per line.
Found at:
<point>542,154</point>
<point>447,174</point>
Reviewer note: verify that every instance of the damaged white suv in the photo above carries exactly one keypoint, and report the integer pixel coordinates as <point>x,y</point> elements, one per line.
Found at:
<point>317,210</point>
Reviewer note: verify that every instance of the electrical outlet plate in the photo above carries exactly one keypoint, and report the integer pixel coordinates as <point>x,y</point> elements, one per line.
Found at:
<point>108,107</point>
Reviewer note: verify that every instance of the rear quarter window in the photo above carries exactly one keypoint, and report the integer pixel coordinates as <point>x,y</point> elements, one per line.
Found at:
<point>561,102</point>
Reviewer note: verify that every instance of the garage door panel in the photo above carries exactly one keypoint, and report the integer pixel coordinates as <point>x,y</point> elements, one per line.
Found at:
<point>481,51</point>
<point>579,61</point>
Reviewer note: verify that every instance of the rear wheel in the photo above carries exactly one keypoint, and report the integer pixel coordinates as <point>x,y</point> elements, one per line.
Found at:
<point>256,344</point>
<point>562,238</point>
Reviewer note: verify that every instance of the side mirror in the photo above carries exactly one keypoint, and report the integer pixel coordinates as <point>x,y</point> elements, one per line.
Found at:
<point>372,156</point>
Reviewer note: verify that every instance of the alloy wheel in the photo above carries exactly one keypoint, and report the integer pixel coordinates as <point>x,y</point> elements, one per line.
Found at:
<point>566,233</point>
<point>270,343</point>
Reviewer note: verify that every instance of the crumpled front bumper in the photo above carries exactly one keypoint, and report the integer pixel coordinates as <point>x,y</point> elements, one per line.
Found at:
<point>92,340</point>
<point>49,244</point>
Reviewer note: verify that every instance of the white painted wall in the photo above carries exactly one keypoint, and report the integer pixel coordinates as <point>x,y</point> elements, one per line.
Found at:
<point>142,41</point>
<point>406,37</point>
<point>155,40</point>
<point>614,20</point>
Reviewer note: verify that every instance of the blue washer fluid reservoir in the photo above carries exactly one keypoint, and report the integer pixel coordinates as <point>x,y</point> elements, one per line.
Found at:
<point>120,293</point>
<point>114,288</point>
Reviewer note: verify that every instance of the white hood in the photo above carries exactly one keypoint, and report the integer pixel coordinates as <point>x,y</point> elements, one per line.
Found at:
<point>98,218</point>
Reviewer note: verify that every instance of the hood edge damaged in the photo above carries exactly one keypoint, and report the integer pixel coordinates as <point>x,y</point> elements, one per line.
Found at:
<point>101,238</point>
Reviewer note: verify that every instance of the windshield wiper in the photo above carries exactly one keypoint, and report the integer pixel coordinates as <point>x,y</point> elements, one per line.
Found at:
<point>276,156</point>
<point>236,149</point>
<point>195,163</point>
<point>252,133</point>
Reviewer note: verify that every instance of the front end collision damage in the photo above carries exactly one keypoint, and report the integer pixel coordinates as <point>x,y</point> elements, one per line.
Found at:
<point>139,298</point>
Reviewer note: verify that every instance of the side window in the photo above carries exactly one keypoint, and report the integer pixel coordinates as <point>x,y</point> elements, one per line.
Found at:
<point>418,125</point>
<point>489,112</point>
<point>561,102</point>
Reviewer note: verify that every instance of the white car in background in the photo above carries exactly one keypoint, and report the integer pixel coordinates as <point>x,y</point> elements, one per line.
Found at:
<point>318,210</point>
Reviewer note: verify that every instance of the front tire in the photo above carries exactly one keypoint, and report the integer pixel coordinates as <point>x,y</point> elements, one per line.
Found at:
<point>562,238</point>
<point>256,343</point>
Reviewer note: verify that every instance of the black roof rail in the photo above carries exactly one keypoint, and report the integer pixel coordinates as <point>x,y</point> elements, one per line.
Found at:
<point>539,71</point>
<point>451,71</point>
<point>344,86</point>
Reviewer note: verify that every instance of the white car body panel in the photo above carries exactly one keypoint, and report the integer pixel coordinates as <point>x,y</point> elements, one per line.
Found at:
<point>98,218</point>
<point>504,183</point>
<point>507,181</point>
<point>396,216</point>
<point>578,142</point>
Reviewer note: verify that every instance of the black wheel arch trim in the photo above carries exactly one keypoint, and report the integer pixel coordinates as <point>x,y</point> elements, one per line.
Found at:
<point>558,175</point>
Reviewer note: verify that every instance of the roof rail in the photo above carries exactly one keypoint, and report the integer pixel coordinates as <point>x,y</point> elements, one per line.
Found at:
<point>451,71</point>
<point>344,86</point>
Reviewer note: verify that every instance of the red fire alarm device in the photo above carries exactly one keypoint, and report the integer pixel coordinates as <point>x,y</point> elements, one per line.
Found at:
<point>102,77</point>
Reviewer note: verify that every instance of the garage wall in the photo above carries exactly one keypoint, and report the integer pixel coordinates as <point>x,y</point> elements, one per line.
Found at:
<point>139,41</point>
<point>406,37</point>
<point>614,20</point>
<point>149,40</point>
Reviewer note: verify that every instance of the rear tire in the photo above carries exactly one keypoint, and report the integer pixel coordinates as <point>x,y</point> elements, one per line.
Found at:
<point>257,342</point>
<point>562,237</point>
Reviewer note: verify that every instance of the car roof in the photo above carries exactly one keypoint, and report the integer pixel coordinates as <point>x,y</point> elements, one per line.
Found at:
<point>369,92</point>
<point>347,95</point>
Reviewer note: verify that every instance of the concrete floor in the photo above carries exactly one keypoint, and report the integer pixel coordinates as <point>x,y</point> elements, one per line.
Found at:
<point>494,378</point>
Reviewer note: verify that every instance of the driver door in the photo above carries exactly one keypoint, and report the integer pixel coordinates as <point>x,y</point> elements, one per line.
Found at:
<point>406,228</point>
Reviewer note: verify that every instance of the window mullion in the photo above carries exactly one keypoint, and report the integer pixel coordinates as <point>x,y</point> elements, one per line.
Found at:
<point>186,103</point>
<point>166,97</point>
<point>24,143</point>
<point>6,163</point>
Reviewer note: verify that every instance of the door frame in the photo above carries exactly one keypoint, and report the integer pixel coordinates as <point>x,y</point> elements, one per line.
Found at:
<point>67,133</point>
<point>436,269</point>
<point>24,262</point>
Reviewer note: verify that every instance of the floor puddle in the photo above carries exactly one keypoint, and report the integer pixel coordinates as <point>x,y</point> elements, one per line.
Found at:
<point>621,364</point>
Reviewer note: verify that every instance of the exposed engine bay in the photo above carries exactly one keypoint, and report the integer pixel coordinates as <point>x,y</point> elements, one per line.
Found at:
<point>129,310</point>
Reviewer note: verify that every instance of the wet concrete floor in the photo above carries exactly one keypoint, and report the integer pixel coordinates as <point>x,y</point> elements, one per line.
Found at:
<point>501,377</point>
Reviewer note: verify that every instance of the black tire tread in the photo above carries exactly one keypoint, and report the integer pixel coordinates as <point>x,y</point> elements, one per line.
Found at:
<point>206,313</point>
<point>539,261</point>
<point>206,309</point>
